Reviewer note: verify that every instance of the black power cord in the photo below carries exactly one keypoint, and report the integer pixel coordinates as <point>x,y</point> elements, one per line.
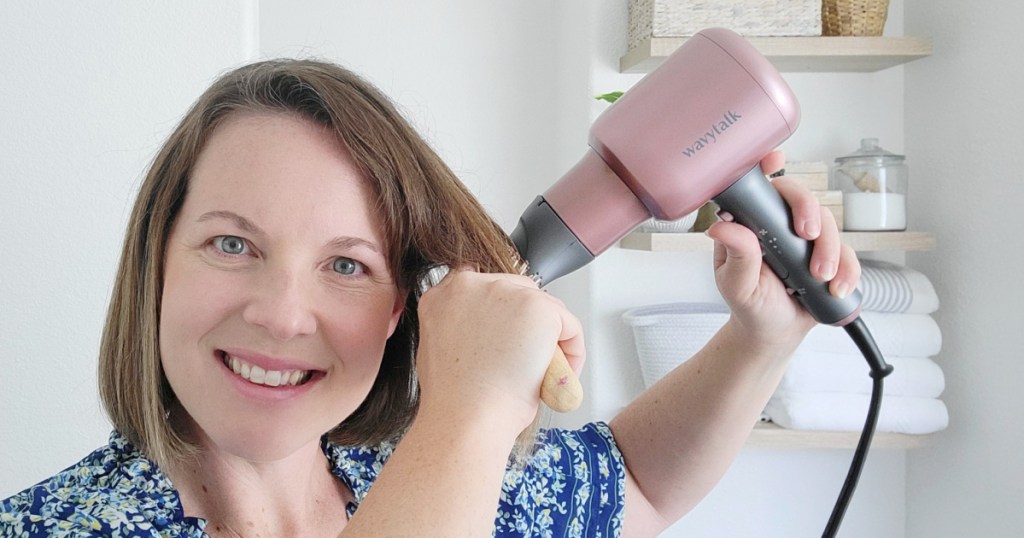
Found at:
<point>858,331</point>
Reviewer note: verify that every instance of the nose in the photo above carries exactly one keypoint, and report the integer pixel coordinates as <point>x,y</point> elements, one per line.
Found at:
<point>282,305</point>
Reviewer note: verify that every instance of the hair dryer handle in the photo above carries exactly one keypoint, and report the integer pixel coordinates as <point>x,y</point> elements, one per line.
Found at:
<point>754,203</point>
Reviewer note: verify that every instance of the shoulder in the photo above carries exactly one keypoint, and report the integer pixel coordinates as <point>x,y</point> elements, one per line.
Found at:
<point>114,491</point>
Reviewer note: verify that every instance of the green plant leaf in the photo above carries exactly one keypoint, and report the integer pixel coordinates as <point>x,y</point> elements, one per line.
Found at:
<point>611,97</point>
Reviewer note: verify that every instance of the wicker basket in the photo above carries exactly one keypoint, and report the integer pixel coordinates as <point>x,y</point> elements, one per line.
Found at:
<point>669,334</point>
<point>853,17</point>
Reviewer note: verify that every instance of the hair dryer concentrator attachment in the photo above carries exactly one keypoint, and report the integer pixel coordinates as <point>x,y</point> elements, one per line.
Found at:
<point>543,238</point>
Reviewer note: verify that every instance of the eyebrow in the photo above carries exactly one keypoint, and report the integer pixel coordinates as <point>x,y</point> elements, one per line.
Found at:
<point>346,242</point>
<point>342,242</point>
<point>239,220</point>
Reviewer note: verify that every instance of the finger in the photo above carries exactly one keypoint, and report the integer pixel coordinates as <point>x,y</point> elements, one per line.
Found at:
<point>570,332</point>
<point>571,340</point>
<point>460,270</point>
<point>825,255</point>
<point>805,207</point>
<point>847,275</point>
<point>471,271</point>
<point>773,162</point>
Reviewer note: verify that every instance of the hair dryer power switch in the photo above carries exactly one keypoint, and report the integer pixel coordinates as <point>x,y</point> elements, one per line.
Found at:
<point>769,257</point>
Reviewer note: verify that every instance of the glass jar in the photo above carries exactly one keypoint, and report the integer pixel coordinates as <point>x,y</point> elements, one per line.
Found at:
<point>874,185</point>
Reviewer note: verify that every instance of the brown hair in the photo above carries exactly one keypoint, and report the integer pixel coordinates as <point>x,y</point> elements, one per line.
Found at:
<point>428,217</point>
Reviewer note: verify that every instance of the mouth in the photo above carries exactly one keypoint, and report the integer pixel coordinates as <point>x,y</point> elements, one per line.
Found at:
<point>268,378</point>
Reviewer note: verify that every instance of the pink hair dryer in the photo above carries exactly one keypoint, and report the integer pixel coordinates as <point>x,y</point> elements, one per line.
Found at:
<point>693,130</point>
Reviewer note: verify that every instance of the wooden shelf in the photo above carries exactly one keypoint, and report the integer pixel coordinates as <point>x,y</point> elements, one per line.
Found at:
<point>859,241</point>
<point>800,54</point>
<point>766,435</point>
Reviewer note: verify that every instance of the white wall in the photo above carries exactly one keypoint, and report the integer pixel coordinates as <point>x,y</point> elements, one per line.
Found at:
<point>88,92</point>
<point>503,91</point>
<point>963,120</point>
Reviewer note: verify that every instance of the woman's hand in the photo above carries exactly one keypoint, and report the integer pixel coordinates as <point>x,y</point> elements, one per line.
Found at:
<point>486,341</point>
<point>759,301</point>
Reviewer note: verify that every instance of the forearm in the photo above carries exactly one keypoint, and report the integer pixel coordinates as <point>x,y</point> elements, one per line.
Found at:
<point>445,475</point>
<point>681,435</point>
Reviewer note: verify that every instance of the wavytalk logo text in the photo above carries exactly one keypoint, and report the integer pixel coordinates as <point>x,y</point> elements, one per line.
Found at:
<point>711,136</point>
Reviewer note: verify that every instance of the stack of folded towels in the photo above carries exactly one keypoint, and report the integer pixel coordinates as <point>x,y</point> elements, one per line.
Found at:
<point>827,385</point>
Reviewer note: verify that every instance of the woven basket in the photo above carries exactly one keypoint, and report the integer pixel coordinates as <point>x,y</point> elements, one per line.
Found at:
<point>853,17</point>
<point>667,335</point>
<point>683,224</point>
<point>681,18</point>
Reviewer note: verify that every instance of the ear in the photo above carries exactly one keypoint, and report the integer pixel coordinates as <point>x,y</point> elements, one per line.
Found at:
<point>397,309</point>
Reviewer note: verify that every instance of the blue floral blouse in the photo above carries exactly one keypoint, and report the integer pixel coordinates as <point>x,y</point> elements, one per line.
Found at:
<point>574,485</point>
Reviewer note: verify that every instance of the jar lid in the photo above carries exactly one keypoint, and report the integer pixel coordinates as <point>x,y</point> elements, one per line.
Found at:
<point>870,151</point>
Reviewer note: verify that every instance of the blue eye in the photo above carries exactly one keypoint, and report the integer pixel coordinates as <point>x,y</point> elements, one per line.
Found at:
<point>346,266</point>
<point>230,244</point>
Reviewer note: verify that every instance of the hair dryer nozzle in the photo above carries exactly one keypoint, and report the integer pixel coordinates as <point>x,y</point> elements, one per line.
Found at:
<point>546,244</point>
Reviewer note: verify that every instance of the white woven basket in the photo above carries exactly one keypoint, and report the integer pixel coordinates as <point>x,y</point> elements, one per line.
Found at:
<point>683,224</point>
<point>680,18</point>
<point>669,334</point>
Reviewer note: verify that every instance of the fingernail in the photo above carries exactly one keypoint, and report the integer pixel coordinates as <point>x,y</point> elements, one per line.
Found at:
<point>724,216</point>
<point>842,290</point>
<point>812,228</point>
<point>827,271</point>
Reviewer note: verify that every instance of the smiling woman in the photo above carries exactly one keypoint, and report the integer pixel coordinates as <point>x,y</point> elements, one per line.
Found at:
<point>264,362</point>
<point>261,323</point>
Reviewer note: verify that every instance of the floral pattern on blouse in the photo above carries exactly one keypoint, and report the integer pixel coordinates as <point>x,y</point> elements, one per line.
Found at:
<point>573,485</point>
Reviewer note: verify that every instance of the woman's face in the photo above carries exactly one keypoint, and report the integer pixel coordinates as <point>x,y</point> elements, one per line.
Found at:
<point>277,297</point>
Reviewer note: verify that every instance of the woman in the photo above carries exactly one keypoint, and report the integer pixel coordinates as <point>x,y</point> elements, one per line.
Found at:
<point>258,357</point>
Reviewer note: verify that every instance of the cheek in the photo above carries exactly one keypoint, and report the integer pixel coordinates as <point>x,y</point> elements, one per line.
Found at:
<point>191,305</point>
<point>358,332</point>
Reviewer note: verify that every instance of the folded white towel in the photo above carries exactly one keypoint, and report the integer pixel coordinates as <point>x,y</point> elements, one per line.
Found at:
<point>897,335</point>
<point>822,411</point>
<point>888,287</point>
<point>818,371</point>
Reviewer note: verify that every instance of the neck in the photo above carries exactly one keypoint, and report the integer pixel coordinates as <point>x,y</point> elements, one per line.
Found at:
<point>293,496</point>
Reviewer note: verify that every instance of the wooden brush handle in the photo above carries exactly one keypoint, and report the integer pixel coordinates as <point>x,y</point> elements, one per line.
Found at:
<point>561,389</point>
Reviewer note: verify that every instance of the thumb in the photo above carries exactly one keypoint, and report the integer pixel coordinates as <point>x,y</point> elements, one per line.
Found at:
<point>738,258</point>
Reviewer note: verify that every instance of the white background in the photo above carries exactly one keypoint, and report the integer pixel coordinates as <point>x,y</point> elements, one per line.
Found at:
<point>503,90</point>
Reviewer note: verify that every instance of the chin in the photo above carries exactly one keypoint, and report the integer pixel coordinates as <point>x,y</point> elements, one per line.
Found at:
<point>266,443</point>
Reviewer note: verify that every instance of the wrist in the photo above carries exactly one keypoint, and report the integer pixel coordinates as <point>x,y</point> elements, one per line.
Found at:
<point>462,452</point>
<point>468,416</point>
<point>767,344</point>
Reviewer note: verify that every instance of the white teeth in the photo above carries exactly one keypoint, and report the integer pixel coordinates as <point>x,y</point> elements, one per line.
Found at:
<point>272,378</point>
